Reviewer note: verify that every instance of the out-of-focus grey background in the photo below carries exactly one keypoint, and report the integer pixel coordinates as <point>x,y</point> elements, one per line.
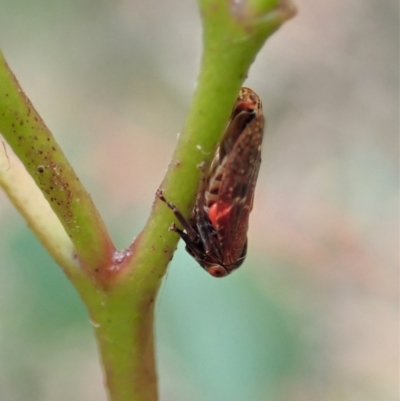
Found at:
<point>313,313</point>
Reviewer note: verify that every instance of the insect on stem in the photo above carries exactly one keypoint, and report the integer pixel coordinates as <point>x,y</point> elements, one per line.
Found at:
<point>216,232</point>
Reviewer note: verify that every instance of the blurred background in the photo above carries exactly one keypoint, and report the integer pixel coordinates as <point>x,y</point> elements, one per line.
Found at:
<point>313,313</point>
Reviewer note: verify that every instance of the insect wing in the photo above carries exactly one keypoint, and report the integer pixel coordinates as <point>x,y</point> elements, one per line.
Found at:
<point>244,110</point>
<point>235,198</point>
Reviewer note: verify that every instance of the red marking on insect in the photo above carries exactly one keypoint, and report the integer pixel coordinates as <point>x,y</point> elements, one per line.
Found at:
<point>216,233</point>
<point>216,216</point>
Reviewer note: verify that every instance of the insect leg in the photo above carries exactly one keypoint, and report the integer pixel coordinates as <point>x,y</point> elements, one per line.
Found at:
<point>193,247</point>
<point>205,228</point>
<point>191,232</point>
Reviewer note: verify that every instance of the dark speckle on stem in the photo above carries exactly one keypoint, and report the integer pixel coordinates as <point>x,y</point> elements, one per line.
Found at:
<point>40,169</point>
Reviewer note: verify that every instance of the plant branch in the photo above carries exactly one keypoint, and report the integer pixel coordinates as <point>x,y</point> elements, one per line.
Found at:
<point>35,146</point>
<point>28,199</point>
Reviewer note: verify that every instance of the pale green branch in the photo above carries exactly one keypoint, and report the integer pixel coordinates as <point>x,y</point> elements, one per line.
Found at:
<point>35,146</point>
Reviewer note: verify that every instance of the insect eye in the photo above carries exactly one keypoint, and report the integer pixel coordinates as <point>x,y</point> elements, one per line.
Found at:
<point>217,271</point>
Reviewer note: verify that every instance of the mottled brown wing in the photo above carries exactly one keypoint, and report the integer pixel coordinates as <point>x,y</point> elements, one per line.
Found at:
<point>246,107</point>
<point>236,192</point>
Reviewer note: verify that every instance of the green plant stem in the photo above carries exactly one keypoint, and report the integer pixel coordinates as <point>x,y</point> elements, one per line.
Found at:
<point>35,146</point>
<point>28,199</point>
